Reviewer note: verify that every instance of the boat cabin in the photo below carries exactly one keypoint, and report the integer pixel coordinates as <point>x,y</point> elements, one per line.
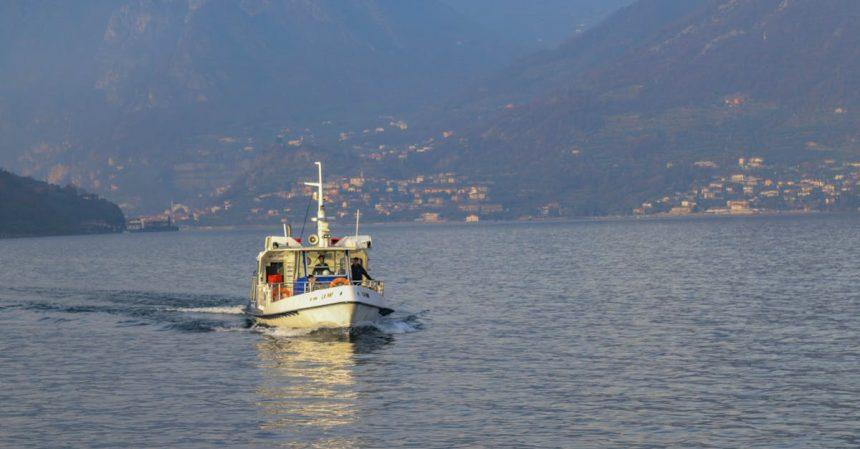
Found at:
<point>288,268</point>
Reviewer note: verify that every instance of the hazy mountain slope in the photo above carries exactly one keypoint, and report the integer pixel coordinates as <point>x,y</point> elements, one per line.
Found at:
<point>621,112</point>
<point>135,98</point>
<point>536,25</point>
<point>563,68</point>
<point>33,208</point>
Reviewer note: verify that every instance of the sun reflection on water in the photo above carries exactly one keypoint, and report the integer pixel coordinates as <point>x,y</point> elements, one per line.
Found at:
<point>308,387</point>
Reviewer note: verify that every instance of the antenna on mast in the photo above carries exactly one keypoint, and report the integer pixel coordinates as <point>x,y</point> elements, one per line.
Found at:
<point>357,216</point>
<point>323,236</point>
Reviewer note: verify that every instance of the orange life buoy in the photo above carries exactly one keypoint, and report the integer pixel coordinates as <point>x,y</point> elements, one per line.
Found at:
<point>279,293</point>
<point>338,282</point>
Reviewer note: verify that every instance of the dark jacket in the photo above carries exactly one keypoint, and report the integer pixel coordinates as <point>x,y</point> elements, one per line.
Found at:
<point>359,273</point>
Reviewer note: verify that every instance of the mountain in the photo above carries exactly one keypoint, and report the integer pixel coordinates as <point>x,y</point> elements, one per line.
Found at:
<point>34,208</point>
<point>620,113</point>
<point>144,100</point>
<point>214,104</point>
<point>536,25</point>
<point>148,101</point>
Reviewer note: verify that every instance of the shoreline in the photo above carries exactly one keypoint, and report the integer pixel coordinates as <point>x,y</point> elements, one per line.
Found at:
<point>700,216</point>
<point>598,219</point>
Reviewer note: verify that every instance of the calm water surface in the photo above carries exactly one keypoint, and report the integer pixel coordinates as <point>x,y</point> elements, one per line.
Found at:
<point>702,333</point>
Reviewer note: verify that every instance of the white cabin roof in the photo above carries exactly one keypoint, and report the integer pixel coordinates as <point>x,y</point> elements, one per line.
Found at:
<point>354,242</point>
<point>280,242</point>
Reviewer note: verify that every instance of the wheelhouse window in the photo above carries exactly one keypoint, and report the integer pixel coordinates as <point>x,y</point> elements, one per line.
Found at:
<point>325,263</point>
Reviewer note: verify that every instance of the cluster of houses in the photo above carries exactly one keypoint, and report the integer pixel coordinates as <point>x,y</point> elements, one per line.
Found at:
<point>754,187</point>
<point>429,198</point>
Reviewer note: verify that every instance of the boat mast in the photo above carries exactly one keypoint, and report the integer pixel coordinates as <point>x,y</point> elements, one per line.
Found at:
<point>323,233</point>
<point>357,216</point>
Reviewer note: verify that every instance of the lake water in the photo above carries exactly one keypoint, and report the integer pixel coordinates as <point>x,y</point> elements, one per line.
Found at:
<point>679,333</point>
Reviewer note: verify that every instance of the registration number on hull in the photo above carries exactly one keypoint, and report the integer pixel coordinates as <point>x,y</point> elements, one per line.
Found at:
<point>324,296</point>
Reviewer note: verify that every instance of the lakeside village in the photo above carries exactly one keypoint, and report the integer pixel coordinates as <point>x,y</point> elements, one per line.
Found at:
<point>426,198</point>
<point>750,187</point>
<point>435,198</point>
<point>429,198</point>
<point>754,187</point>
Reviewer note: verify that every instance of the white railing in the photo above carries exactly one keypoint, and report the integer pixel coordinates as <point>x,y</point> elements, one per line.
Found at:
<point>377,286</point>
<point>265,294</point>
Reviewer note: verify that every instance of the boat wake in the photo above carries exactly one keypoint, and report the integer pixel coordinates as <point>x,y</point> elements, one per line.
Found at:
<point>392,325</point>
<point>183,312</point>
<point>281,332</point>
<point>224,310</point>
<point>178,312</point>
<point>397,327</point>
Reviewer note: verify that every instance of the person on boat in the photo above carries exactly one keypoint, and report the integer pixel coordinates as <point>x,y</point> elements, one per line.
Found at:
<point>358,271</point>
<point>321,268</point>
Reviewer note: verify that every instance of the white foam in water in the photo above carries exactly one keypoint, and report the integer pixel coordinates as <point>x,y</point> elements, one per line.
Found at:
<point>226,310</point>
<point>387,327</point>
<point>395,327</point>
<point>282,331</point>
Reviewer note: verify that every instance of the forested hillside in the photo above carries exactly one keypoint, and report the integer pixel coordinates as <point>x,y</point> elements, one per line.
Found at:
<point>34,208</point>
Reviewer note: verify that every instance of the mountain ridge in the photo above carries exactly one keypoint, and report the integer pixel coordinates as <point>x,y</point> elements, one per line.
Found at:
<point>701,80</point>
<point>217,103</point>
<point>151,86</point>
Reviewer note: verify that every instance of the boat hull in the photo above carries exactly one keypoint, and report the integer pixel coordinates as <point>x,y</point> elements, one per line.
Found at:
<point>344,306</point>
<point>335,315</point>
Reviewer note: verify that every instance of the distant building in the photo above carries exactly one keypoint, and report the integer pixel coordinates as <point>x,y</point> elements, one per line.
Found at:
<point>753,162</point>
<point>472,218</point>
<point>430,217</point>
<point>739,207</point>
<point>477,193</point>
<point>705,164</point>
<point>151,224</point>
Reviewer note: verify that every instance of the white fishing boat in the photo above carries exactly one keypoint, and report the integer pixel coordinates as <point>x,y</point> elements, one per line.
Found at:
<point>323,283</point>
